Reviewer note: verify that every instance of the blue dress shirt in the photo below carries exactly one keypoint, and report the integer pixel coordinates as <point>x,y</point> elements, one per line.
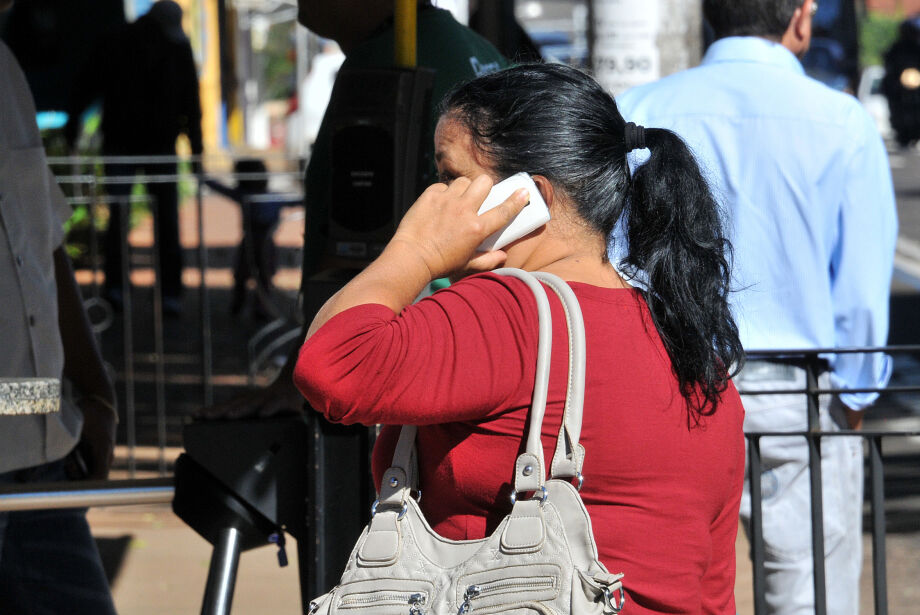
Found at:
<point>809,206</point>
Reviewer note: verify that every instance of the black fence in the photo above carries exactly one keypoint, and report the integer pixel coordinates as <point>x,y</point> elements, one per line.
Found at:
<point>136,335</point>
<point>813,362</point>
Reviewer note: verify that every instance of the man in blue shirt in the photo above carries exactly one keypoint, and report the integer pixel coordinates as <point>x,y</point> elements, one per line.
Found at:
<point>809,205</point>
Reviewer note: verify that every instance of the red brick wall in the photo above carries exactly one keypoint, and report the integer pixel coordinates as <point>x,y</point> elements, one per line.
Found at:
<point>906,7</point>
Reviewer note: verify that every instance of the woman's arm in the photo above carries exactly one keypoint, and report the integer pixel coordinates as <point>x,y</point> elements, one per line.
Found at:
<point>439,234</point>
<point>463,354</point>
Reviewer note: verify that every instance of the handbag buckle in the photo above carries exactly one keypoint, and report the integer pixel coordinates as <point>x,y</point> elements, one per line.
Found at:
<point>614,598</point>
<point>543,495</point>
<point>402,513</point>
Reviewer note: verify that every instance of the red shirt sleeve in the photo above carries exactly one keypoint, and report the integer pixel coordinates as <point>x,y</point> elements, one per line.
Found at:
<point>463,344</point>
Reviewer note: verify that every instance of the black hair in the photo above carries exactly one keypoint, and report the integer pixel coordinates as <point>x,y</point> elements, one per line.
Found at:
<point>251,167</point>
<point>553,120</point>
<point>765,18</point>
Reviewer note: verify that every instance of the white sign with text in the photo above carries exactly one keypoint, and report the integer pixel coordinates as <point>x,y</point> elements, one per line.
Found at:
<point>625,43</point>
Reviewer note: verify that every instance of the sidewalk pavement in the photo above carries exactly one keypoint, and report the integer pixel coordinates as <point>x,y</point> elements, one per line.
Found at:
<point>160,567</point>
<point>157,565</point>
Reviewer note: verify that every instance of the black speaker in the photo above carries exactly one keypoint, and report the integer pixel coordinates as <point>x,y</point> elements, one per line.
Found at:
<point>241,485</point>
<point>379,124</point>
<point>262,462</point>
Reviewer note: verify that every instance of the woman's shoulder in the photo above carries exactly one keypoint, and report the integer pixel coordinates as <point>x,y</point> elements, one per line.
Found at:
<point>487,288</point>
<point>501,283</point>
<point>494,293</point>
<point>492,300</point>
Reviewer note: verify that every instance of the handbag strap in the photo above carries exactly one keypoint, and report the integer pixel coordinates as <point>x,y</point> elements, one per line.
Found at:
<point>569,456</point>
<point>530,467</point>
<point>530,470</point>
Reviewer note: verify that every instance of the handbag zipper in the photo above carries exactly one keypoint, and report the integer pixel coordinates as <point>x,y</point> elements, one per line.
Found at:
<point>503,586</point>
<point>414,600</point>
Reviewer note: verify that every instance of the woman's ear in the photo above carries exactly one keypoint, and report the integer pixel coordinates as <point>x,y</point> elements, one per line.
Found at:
<point>546,189</point>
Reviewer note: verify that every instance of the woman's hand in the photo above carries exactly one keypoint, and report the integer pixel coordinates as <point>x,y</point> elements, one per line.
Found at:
<point>439,234</point>
<point>480,263</point>
<point>444,229</point>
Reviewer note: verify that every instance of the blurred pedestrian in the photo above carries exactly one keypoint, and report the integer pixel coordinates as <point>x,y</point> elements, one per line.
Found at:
<point>48,559</point>
<point>256,256</point>
<point>810,207</point>
<point>364,31</point>
<point>496,20</point>
<point>146,77</point>
<point>313,95</point>
<point>901,84</point>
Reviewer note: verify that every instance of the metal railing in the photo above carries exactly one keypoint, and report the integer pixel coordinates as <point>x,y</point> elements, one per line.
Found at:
<point>85,181</point>
<point>83,494</point>
<point>811,362</point>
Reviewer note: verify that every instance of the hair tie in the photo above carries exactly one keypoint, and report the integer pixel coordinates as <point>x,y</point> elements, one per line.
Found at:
<point>634,136</point>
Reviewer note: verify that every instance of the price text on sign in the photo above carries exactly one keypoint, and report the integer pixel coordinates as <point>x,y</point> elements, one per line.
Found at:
<point>624,64</point>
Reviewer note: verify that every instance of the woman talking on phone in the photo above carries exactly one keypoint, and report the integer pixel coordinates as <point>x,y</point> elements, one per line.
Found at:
<point>662,421</point>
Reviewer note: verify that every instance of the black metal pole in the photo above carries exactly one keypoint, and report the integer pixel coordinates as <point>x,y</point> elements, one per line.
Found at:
<point>877,487</point>
<point>205,307</point>
<point>817,503</point>
<point>339,485</point>
<point>124,207</point>
<point>757,549</point>
<point>158,342</point>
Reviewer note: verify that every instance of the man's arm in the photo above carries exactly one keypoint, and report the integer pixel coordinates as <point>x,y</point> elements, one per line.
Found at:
<point>83,366</point>
<point>190,121</point>
<point>862,266</point>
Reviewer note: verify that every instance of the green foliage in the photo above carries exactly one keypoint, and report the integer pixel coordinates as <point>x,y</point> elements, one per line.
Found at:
<point>90,213</point>
<point>78,220</point>
<point>187,185</point>
<point>77,227</point>
<point>876,34</point>
<point>279,62</point>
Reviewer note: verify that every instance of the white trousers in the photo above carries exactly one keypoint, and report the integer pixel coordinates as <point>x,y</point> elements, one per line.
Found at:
<point>786,490</point>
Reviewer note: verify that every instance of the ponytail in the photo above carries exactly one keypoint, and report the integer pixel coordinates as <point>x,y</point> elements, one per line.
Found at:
<point>675,240</point>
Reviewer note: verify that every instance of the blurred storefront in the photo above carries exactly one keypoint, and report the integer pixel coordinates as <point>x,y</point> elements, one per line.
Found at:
<point>265,80</point>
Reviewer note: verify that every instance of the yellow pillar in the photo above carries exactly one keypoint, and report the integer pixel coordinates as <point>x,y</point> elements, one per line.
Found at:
<point>210,79</point>
<point>200,23</point>
<point>405,27</point>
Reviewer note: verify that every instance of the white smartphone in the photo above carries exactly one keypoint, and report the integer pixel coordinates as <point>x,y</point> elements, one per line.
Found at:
<point>534,215</point>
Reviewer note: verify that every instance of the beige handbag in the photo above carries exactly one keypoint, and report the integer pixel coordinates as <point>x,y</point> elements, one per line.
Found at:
<point>541,559</point>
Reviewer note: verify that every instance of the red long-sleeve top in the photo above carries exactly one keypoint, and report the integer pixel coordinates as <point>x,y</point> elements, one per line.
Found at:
<point>662,491</point>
